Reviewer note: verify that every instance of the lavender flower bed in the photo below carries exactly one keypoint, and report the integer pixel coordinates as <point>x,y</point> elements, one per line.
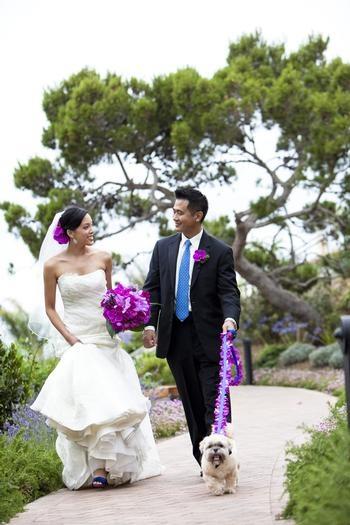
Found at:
<point>29,465</point>
<point>328,381</point>
<point>167,417</point>
<point>30,423</point>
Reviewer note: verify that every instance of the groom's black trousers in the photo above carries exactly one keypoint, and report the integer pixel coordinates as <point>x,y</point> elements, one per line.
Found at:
<point>196,377</point>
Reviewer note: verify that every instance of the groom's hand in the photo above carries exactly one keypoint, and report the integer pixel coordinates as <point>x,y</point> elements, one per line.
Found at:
<point>229,324</point>
<point>149,338</point>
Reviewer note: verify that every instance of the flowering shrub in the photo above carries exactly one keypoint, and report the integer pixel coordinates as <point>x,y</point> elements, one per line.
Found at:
<point>22,376</point>
<point>14,384</point>
<point>167,418</point>
<point>318,474</point>
<point>29,465</point>
<point>264,325</point>
<point>287,325</point>
<point>330,381</point>
<point>29,423</point>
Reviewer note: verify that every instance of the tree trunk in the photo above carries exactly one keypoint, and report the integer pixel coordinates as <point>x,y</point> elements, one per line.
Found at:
<point>282,299</point>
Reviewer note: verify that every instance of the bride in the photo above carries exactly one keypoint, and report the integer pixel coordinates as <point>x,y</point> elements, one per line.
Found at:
<point>93,397</point>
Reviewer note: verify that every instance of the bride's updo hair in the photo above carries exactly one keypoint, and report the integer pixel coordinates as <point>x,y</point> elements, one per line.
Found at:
<point>71,218</point>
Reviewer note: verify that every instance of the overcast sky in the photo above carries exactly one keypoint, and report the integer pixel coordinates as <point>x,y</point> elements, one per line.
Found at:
<point>42,42</point>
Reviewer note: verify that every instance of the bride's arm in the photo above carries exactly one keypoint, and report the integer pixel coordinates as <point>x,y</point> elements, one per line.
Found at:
<point>50,283</point>
<point>108,270</point>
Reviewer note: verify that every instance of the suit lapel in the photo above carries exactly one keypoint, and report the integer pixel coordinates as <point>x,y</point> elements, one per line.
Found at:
<point>203,245</point>
<point>172,254</point>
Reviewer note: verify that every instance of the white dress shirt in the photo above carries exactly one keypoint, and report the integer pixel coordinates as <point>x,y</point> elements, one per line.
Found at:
<point>194,246</point>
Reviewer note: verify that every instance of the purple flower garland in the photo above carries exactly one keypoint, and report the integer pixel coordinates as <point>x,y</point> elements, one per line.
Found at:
<point>229,356</point>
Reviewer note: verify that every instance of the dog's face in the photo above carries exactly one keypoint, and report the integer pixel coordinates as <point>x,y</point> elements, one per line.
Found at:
<point>216,449</point>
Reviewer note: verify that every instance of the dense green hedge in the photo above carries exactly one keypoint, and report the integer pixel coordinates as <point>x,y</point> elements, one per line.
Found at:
<point>22,376</point>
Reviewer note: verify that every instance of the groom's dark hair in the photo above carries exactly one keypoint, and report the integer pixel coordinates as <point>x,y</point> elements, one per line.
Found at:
<point>71,217</point>
<point>196,200</point>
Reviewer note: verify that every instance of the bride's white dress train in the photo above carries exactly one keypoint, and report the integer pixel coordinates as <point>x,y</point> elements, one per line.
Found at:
<point>93,397</point>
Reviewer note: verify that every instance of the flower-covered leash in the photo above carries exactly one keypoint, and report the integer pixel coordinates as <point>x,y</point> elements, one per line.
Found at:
<point>229,356</point>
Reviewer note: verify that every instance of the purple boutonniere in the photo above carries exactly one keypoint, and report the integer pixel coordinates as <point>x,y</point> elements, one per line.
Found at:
<point>200,256</point>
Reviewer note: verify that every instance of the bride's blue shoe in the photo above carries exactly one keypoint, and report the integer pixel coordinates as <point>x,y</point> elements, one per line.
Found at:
<point>99,482</point>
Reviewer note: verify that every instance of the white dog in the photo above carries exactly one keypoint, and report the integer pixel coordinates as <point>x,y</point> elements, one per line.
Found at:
<point>220,463</point>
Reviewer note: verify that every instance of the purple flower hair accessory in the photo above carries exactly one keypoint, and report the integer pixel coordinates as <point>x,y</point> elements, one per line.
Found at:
<point>200,256</point>
<point>60,235</point>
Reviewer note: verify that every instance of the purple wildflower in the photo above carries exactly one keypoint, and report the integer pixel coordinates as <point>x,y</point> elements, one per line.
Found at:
<point>287,325</point>
<point>27,421</point>
<point>167,417</point>
<point>325,380</point>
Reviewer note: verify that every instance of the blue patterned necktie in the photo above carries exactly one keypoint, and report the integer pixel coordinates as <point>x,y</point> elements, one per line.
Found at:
<point>183,285</point>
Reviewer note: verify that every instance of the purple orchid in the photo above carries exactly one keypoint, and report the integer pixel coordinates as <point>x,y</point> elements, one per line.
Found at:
<point>60,235</point>
<point>125,308</point>
<point>200,256</point>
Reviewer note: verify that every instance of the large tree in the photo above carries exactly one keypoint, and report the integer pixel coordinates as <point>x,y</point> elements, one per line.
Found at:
<point>186,129</point>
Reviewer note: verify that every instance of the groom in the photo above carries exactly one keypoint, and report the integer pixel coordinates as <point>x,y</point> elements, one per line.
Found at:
<point>196,300</point>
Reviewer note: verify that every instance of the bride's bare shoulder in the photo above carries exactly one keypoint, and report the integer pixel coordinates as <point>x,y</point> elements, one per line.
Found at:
<point>52,264</point>
<point>103,255</point>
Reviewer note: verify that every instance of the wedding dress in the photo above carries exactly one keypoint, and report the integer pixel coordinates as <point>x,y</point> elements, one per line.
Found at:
<point>93,396</point>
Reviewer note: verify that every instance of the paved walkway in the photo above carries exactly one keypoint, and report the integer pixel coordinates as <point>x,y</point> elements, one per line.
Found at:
<point>264,419</point>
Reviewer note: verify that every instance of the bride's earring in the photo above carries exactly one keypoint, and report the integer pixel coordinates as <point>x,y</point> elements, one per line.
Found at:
<point>74,241</point>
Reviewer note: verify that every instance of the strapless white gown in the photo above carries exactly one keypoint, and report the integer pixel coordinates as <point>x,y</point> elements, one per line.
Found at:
<point>93,397</point>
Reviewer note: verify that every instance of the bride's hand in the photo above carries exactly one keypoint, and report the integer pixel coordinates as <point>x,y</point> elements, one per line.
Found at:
<point>72,340</point>
<point>149,338</point>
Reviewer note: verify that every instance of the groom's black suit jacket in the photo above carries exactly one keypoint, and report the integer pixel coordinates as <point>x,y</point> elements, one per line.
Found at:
<point>214,293</point>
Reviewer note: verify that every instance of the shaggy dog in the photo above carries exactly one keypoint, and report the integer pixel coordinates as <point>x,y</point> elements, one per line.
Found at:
<point>219,462</point>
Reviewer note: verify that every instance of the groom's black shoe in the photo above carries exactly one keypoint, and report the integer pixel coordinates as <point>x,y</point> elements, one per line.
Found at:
<point>201,473</point>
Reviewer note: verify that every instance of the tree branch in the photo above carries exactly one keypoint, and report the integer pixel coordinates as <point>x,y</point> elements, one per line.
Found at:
<point>299,213</point>
<point>128,226</point>
<point>122,167</point>
<point>130,261</point>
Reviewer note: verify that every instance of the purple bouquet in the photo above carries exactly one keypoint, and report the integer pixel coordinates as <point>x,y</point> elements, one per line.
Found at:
<point>125,308</point>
